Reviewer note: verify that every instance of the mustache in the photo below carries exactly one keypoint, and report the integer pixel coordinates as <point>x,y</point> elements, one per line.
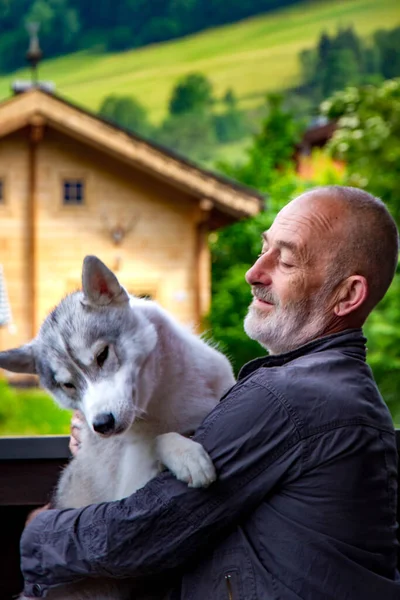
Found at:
<point>264,294</point>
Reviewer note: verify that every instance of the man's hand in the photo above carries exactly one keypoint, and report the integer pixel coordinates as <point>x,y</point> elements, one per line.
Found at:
<point>76,426</point>
<point>36,512</point>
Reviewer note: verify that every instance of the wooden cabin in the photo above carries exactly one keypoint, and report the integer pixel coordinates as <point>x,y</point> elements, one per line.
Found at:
<point>73,184</point>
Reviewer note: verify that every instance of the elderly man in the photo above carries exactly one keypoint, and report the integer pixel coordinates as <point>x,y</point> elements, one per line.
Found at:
<point>305,502</point>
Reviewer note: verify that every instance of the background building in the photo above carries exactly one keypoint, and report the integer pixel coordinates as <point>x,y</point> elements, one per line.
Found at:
<point>72,184</point>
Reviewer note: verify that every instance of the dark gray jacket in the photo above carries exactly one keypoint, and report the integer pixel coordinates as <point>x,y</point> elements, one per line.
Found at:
<point>304,506</point>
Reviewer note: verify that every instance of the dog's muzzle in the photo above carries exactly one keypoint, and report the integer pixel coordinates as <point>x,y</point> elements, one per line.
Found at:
<point>104,423</point>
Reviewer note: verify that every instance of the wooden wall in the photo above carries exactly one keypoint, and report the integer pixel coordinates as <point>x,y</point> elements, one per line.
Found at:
<point>165,255</point>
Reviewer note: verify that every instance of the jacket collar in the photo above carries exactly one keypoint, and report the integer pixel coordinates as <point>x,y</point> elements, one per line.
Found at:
<point>350,341</point>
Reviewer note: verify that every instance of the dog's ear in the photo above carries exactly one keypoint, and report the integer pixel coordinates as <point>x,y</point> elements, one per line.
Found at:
<point>99,284</point>
<point>19,360</point>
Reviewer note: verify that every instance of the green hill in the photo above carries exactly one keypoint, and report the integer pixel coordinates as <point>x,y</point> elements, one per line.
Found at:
<point>252,57</point>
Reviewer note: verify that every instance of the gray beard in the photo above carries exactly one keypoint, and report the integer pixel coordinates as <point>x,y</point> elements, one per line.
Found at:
<point>287,328</point>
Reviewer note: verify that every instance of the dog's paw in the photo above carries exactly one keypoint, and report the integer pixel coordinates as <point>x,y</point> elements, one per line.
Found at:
<point>186,459</point>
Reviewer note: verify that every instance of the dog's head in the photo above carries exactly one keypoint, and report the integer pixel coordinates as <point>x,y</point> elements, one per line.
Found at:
<point>89,352</point>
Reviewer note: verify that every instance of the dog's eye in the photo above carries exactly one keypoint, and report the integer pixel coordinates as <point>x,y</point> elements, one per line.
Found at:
<point>68,388</point>
<point>102,357</point>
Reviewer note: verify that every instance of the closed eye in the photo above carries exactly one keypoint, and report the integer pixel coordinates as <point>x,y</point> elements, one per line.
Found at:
<point>68,388</point>
<point>102,357</point>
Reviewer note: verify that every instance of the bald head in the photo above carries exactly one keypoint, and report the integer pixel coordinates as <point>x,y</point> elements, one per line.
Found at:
<point>362,236</point>
<point>326,261</point>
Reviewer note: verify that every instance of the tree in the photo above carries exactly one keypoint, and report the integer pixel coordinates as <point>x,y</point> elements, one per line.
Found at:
<point>231,124</point>
<point>189,134</point>
<point>193,93</point>
<point>270,168</point>
<point>126,112</point>
<point>367,138</point>
<point>347,39</point>
<point>233,250</point>
<point>324,48</point>
<point>272,149</point>
<point>308,65</point>
<point>121,25</point>
<point>388,46</point>
<point>344,59</point>
<point>341,69</point>
<point>189,127</point>
<point>230,98</point>
<point>383,335</point>
<point>59,24</point>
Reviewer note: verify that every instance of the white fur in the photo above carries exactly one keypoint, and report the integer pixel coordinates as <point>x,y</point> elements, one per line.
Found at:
<point>159,381</point>
<point>178,381</point>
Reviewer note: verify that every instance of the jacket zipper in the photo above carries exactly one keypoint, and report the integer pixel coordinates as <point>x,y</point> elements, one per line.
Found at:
<point>229,586</point>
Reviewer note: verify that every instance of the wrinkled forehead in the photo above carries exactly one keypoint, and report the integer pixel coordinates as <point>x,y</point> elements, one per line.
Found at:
<point>310,223</point>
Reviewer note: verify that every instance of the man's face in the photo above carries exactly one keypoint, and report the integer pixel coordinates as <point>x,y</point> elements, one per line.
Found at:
<point>291,303</point>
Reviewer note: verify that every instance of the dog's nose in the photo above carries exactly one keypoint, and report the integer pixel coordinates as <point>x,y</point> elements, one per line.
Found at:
<point>104,423</point>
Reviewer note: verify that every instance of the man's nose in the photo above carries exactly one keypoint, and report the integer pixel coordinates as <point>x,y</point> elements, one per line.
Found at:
<point>260,272</point>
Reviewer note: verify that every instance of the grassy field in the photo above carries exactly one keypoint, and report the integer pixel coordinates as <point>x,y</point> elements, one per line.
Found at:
<point>30,412</point>
<point>253,57</point>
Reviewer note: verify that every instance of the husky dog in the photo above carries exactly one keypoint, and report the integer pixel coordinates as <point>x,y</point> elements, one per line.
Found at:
<point>142,382</point>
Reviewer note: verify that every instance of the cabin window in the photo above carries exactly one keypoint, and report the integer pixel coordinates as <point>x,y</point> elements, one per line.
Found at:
<point>73,192</point>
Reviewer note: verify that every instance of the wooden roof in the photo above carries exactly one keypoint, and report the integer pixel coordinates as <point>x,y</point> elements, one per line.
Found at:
<point>229,200</point>
<point>317,135</point>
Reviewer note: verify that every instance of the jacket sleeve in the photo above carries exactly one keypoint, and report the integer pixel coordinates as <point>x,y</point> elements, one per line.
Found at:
<point>254,444</point>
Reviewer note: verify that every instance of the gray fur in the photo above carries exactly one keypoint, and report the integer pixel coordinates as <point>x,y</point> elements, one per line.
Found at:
<point>127,358</point>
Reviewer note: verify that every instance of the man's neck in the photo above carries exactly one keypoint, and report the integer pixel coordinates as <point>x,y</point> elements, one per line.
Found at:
<point>308,337</point>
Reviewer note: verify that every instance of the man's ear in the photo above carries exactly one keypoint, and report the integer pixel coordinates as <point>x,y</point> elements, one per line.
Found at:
<point>100,285</point>
<point>351,295</point>
<point>19,360</point>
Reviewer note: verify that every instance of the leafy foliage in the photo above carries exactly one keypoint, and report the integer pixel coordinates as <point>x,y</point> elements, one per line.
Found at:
<point>234,249</point>
<point>383,334</point>
<point>126,112</point>
<point>388,52</point>
<point>193,93</point>
<point>272,150</point>
<point>69,25</point>
<point>60,28</point>
<point>372,160</point>
<point>232,124</point>
<point>191,128</point>
<point>190,134</point>
<point>269,167</point>
<point>344,59</point>
<point>367,138</point>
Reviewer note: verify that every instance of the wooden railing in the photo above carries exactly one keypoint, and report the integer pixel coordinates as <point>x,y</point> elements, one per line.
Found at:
<point>29,469</point>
